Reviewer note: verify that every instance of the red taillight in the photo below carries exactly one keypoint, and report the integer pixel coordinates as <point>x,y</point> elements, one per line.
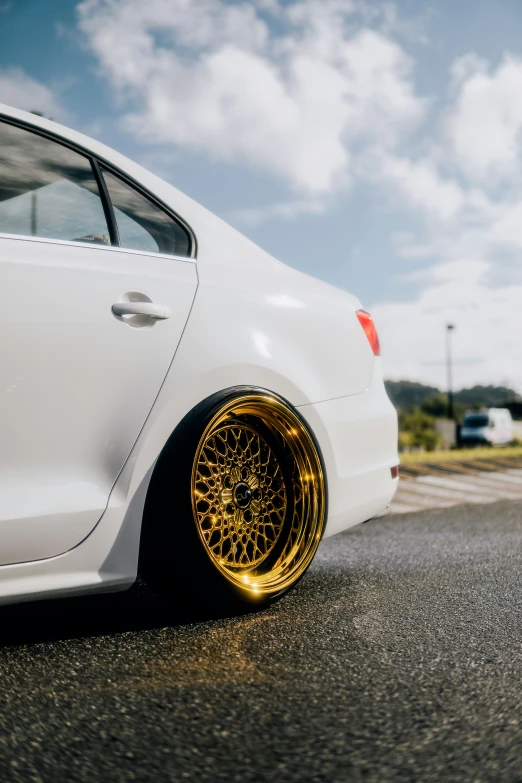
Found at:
<point>370,331</point>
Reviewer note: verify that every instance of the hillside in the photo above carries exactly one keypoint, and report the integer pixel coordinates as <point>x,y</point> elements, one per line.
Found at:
<point>407,395</point>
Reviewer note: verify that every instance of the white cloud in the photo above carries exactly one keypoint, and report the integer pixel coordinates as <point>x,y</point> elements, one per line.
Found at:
<point>506,229</point>
<point>23,92</point>
<point>319,94</point>
<point>214,76</point>
<point>462,270</point>
<point>419,183</point>
<point>253,216</point>
<point>486,343</point>
<point>485,125</point>
<point>469,194</point>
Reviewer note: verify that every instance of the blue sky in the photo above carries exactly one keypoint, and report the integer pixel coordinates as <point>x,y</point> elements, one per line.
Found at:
<point>376,145</point>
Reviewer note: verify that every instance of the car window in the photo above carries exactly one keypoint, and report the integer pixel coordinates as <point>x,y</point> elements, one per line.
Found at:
<point>141,224</point>
<point>476,420</point>
<point>47,190</point>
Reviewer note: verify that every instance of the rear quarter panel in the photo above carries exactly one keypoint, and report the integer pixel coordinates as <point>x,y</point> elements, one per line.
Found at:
<point>257,321</point>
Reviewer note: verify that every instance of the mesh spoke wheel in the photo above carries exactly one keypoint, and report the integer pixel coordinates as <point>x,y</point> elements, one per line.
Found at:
<point>258,494</point>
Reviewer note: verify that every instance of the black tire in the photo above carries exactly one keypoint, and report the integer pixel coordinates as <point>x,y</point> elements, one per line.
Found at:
<point>208,550</point>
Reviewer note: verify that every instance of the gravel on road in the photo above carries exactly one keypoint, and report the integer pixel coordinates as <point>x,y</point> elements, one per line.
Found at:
<point>397,658</point>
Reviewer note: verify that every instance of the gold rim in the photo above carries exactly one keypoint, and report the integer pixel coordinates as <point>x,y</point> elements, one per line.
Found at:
<point>258,494</point>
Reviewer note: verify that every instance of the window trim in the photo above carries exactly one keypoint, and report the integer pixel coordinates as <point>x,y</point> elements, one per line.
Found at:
<point>112,172</point>
<point>94,246</point>
<point>95,161</point>
<point>108,208</point>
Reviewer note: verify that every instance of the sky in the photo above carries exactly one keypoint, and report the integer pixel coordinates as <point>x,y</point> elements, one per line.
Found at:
<point>375,145</point>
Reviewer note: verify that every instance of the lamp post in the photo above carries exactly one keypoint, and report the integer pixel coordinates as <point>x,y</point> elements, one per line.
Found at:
<point>449,330</point>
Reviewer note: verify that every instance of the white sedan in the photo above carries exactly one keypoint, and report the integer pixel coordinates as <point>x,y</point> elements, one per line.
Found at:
<point>175,402</point>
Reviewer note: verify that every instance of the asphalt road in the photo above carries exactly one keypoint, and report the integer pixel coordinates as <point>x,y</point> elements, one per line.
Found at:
<point>398,657</point>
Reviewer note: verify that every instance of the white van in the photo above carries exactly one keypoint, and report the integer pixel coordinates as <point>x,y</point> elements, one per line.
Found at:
<point>487,426</point>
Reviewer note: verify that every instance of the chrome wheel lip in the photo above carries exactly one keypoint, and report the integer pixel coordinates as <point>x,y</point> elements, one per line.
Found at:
<point>306,530</point>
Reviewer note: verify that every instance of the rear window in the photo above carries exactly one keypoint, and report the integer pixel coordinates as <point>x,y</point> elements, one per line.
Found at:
<point>142,225</point>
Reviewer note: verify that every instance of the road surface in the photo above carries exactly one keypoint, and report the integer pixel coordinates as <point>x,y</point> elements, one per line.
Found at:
<point>425,486</point>
<point>397,658</point>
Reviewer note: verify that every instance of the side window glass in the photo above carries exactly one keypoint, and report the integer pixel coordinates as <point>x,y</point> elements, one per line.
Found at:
<point>47,190</point>
<point>141,224</point>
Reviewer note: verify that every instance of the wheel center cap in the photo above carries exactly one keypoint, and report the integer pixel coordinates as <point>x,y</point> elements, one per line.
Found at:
<point>242,495</point>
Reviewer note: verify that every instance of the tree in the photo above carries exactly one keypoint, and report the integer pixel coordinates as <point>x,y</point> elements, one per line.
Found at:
<point>438,406</point>
<point>409,394</point>
<point>486,396</point>
<point>417,429</point>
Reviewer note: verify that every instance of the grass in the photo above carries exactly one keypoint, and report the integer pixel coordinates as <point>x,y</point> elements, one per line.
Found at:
<point>461,454</point>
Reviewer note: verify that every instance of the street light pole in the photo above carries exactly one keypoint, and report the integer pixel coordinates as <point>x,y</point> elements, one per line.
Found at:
<point>449,329</point>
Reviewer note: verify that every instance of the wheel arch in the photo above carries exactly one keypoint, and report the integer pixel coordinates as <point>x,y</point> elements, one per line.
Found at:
<point>195,417</point>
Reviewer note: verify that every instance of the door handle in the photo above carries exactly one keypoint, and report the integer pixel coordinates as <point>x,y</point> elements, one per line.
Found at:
<point>156,311</point>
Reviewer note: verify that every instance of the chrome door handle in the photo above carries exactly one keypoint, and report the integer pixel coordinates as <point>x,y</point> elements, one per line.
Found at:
<point>156,311</point>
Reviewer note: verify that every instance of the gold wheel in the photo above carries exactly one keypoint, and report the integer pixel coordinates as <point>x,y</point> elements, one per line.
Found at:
<point>258,494</point>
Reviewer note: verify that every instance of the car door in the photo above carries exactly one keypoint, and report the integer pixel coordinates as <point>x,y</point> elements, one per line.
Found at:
<point>88,331</point>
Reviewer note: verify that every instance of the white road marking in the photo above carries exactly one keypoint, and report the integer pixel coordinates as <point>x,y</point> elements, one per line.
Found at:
<point>442,491</point>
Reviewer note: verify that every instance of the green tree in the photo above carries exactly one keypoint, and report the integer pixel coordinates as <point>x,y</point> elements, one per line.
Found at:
<point>438,406</point>
<point>417,429</point>
<point>486,396</point>
<point>409,394</point>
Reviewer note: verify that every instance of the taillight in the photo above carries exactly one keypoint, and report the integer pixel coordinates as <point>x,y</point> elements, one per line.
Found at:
<point>370,331</point>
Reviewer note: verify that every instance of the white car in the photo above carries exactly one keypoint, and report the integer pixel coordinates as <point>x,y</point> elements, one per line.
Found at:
<point>175,402</point>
